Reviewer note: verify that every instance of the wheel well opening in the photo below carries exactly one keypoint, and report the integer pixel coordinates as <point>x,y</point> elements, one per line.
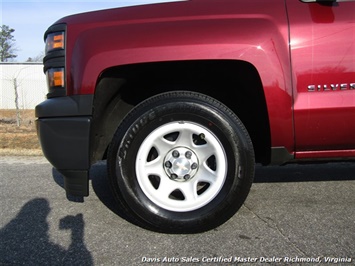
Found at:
<point>235,83</point>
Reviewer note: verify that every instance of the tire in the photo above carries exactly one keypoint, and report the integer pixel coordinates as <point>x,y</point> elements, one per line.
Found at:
<point>181,162</point>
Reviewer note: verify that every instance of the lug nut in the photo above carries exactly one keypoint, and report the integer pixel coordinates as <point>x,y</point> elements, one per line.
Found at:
<point>187,177</point>
<point>188,154</point>
<point>168,164</point>
<point>194,166</point>
<point>174,176</point>
<point>176,154</point>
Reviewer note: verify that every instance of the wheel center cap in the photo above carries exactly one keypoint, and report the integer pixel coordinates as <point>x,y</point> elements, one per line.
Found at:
<point>181,164</point>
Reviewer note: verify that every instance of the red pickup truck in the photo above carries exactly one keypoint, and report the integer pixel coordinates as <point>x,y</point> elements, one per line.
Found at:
<point>183,99</point>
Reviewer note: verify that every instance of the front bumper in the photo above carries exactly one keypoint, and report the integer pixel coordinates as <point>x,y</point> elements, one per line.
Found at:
<point>63,129</point>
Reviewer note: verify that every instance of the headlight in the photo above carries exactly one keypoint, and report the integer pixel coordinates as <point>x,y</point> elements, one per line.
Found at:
<point>55,41</point>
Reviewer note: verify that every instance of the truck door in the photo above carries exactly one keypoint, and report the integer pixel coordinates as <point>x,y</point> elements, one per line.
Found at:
<point>322,42</point>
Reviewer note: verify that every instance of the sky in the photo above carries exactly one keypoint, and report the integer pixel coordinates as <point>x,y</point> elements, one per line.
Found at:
<point>31,18</point>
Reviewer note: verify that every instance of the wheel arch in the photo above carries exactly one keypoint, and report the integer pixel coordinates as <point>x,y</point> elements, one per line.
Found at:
<point>235,83</point>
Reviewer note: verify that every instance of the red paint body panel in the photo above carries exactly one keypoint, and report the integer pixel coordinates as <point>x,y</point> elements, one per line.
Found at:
<point>340,154</point>
<point>252,31</point>
<point>321,38</point>
<point>323,54</point>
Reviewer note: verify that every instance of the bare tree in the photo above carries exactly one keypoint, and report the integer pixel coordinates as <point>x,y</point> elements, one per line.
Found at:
<point>16,82</point>
<point>18,114</point>
<point>38,58</point>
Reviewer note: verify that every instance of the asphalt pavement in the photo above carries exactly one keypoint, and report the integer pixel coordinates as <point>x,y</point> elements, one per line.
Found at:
<point>294,215</point>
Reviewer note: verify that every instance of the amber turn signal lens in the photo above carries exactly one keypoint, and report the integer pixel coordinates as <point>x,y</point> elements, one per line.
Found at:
<point>55,41</point>
<point>55,77</point>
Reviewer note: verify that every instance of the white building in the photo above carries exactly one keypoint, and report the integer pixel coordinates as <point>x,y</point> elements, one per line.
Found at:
<point>29,80</point>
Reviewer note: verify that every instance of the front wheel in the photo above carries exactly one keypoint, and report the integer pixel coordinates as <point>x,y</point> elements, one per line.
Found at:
<point>181,162</point>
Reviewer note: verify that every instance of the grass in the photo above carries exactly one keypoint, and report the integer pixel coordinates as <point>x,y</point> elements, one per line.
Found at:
<point>18,140</point>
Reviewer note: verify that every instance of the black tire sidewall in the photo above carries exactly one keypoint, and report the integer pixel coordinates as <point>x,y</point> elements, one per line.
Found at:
<point>206,113</point>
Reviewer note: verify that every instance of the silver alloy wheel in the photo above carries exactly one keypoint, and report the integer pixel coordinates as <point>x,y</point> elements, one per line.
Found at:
<point>181,166</point>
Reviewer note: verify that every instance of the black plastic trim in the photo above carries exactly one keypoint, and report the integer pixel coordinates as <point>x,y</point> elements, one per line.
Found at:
<point>55,28</point>
<point>51,61</point>
<point>280,155</point>
<point>76,183</point>
<point>77,105</point>
<point>65,141</point>
<point>63,128</point>
<point>56,92</point>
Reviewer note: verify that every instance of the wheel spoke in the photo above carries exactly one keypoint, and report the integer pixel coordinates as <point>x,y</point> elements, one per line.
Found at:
<point>166,187</point>
<point>184,138</point>
<point>155,167</point>
<point>204,152</point>
<point>205,174</point>
<point>162,145</point>
<point>189,190</point>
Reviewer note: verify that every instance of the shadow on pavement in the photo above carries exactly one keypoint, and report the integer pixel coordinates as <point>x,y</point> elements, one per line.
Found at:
<point>99,183</point>
<point>263,174</point>
<point>25,239</point>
